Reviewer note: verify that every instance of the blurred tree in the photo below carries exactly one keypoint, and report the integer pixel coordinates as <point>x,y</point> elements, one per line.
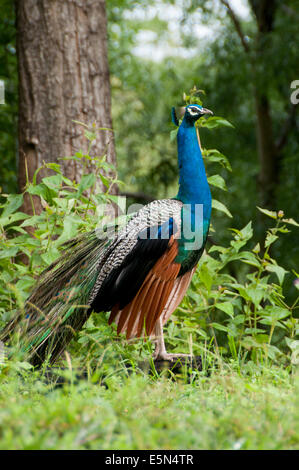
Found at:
<point>8,110</point>
<point>143,91</point>
<point>63,75</point>
<point>262,66</point>
<point>269,148</point>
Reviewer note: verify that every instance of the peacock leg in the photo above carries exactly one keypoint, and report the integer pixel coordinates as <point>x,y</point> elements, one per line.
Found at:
<point>160,352</point>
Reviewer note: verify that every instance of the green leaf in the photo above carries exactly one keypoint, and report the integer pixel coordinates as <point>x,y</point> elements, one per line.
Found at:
<point>86,182</point>
<point>25,283</point>
<point>220,327</point>
<point>16,228</point>
<point>81,123</point>
<point>33,220</point>
<point>53,182</point>
<point>214,156</point>
<point>219,206</point>
<point>18,216</point>
<point>255,294</point>
<point>9,252</point>
<point>271,214</point>
<point>226,307</point>
<point>90,135</point>
<point>218,182</point>
<point>293,344</point>
<point>270,238</point>
<point>40,190</point>
<point>249,258</point>
<point>251,293</point>
<point>50,256</point>
<point>23,365</point>
<point>70,228</point>
<point>206,277</point>
<point>105,180</point>
<point>274,313</point>
<point>13,202</point>
<point>54,167</point>
<point>173,134</point>
<point>247,232</point>
<point>278,270</point>
<point>253,331</point>
<point>221,249</point>
<point>249,342</point>
<point>215,121</point>
<point>291,221</point>
<point>257,248</point>
<point>9,219</point>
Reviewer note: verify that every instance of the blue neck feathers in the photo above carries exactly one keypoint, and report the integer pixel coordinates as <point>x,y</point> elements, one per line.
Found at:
<point>193,184</point>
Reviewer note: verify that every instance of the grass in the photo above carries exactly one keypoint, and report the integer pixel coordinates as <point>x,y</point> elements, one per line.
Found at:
<point>255,409</point>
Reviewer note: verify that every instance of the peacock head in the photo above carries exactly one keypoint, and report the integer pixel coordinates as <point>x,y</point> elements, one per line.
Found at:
<point>194,111</point>
<point>191,113</point>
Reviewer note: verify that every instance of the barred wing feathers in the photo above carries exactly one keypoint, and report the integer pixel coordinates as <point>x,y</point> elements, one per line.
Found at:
<point>138,284</point>
<point>102,273</point>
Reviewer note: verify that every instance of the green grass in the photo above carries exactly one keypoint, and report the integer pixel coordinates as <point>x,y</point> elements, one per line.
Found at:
<point>257,409</point>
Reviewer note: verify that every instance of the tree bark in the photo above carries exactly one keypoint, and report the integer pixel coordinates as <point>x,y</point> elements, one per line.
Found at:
<point>264,11</point>
<point>269,161</point>
<point>63,76</point>
<point>269,149</point>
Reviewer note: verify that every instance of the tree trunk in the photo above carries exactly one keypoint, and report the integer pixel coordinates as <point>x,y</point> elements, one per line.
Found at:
<point>269,149</point>
<point>264,11</point>
<point>63,76</point>
<point>269,162</point>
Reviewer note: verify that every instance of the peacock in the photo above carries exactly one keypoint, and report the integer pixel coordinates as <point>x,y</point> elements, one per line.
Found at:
<point>139,274</point>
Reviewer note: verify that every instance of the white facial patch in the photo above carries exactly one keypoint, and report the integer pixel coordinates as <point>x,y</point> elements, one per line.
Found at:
<point>193,111</point>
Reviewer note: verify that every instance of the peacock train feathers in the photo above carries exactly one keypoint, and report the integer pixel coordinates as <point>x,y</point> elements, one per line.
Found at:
<point>140,273</point>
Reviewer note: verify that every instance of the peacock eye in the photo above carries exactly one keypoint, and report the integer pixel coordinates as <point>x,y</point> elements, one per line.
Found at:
<point>193,111</point>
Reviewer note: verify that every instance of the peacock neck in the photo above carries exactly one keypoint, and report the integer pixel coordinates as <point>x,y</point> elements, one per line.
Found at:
<point>193,183</point>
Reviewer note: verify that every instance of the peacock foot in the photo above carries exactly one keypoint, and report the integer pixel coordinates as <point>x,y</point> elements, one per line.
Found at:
<point>164,356</point>
<point>165,362</point>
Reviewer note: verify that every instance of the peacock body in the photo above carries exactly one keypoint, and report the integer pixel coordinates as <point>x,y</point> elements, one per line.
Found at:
<point>140,274</point>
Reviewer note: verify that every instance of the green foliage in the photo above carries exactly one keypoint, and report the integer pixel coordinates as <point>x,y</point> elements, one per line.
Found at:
<point>68,209</point>
<point>245,314</point>
<point>8,111</point>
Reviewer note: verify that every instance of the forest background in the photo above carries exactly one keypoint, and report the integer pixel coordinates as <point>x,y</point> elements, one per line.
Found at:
<point>245,63</point>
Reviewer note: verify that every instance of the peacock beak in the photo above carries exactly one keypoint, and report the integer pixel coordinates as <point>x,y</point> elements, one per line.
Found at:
<point>206,111</point>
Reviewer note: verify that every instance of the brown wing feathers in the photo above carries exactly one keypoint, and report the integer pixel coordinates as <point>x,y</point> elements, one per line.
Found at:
<point>180,287</point>
<point>149,302</point>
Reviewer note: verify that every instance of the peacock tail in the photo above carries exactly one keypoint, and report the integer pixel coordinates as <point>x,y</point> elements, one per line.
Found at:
<point>58,306</point>
<point>83,279</point>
